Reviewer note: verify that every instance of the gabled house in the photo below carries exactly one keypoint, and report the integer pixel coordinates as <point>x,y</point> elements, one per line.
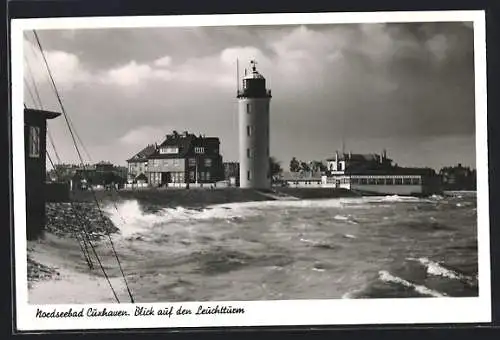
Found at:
<point>138,163</point>
<point>185,158</point>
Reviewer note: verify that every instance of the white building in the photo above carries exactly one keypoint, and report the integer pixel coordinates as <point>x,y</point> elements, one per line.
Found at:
<point>253,118</point>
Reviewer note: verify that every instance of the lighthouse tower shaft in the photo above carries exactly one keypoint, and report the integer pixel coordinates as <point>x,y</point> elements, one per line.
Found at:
<point>253,125</point>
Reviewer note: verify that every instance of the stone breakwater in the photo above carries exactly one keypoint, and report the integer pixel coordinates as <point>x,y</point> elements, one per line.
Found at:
<point>69,220</point>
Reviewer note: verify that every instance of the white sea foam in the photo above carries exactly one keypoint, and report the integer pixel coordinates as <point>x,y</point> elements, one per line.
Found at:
<point>341,218</point>
<point>349,236</point>
<point>131,219</point>
<point>436,269</point>
<point>318,269</point>
<point>388,277</point>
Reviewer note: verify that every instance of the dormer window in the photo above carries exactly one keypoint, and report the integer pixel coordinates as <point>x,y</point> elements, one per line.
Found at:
<point>199,150</point>
<point>169,150</point>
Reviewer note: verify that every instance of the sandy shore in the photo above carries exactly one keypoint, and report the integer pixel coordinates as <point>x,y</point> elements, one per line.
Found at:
<point>57,269</point>
<point>72,286</point>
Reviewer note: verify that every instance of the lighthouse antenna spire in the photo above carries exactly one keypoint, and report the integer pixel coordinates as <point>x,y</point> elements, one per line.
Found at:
<point>253,63</point>
<point>237,76</point>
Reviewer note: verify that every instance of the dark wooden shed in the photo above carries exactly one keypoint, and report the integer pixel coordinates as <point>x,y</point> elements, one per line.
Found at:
<point>35,146</point>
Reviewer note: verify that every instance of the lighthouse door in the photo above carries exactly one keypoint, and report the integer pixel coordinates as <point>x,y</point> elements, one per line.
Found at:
<point>165,178</point>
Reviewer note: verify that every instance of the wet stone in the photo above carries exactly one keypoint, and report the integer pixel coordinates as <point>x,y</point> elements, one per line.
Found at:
<point>69,220</point>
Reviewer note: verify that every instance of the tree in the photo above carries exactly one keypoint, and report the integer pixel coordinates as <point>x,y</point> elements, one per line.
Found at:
<point>305,167</point>
<point>318,166</point>
<point>294,165</point>
<point>274,166</point>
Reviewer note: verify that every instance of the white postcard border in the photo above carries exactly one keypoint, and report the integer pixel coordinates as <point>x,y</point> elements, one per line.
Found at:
<point>260,313</point>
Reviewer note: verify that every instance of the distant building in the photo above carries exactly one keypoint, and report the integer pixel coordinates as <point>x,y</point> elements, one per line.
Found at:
<point>185,158</point>
<point>357,163</point>
<point>104,167</point>
<point>232,173</point>
<point>365,173</point>
<point>99,174</point>
<point>62,172</point>
<point>300,179</point>
<point>458,178</point>
<point>138,164</point>
<point>35,144</point>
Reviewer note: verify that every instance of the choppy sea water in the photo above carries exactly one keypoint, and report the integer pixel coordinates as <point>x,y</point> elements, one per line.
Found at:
<point>370,247</point>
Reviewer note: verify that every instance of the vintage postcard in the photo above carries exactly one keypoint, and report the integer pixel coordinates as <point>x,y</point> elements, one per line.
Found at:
<point>250,170</point>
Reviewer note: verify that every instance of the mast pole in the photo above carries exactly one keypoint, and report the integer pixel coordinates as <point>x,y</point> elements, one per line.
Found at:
<point>237,76</point>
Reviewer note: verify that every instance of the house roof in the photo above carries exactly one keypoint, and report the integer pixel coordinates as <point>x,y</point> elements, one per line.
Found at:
<point>185,142</point>
<point>394,171</point>
<point>356,157</point>
<point>41,113</point>
<point>143,154</point>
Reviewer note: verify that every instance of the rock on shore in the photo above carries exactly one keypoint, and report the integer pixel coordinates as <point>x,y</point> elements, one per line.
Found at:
<point>38,271</point>
<point>69,220</point>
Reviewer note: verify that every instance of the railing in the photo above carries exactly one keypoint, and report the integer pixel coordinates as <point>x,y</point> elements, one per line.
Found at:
<point>247,93</point>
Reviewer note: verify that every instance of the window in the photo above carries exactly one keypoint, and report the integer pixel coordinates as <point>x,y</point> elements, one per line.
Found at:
<point>192,162</point>
<point>407,181</point>
<point>372,181</point>
<point>249,130</point>
<point>169,150</point>
<point>363,181</point>
<point>248,175</point>
<point>249,153</point>
<point>415,181</point>
<point>398,181</point>
<point>208,162</point>
<point>208,176</point>
<point>176,162</point>
<point>380,181</point>
<point>199,150</point>
<point>191,175</point>
<point>34,141</point>
<point>389,181</point>
<point>354,181</point>
<point>248,108</point>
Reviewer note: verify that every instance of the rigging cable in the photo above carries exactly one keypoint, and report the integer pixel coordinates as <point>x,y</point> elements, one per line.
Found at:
<point>40,104</point>
<point>49,80</point>
<point>81,159</point>
<point>96,255</point>
<point>30,93</point>
<point>84,248</point>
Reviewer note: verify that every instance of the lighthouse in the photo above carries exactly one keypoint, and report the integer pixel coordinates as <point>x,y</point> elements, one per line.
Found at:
<point>253,125</point>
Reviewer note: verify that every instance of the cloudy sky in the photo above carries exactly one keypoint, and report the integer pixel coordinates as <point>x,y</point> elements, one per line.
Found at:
<point>406,87</point>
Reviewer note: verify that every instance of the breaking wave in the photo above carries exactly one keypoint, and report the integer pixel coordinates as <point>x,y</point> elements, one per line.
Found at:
<point>435,269</point>
<point>385,276</point>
